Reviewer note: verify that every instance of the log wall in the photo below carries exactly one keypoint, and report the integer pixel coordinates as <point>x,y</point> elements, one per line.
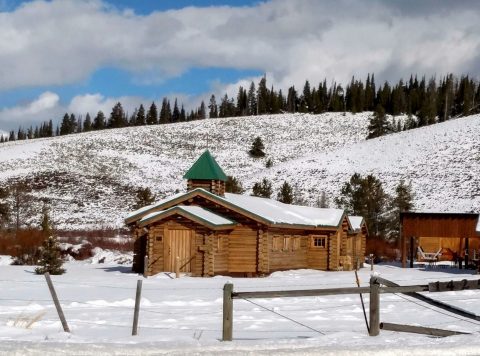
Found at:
<point>242,248</point>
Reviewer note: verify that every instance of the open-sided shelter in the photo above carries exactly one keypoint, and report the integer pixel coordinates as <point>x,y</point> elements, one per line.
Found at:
<point>455,232</point>
<point>208,232</point>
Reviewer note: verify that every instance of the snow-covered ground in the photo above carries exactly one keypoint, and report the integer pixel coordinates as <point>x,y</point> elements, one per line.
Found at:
<point>184,316</point>
<point>91,178</point>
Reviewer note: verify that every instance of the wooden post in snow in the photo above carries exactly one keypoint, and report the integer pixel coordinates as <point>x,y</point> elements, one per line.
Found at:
<point>177,267</point>
<point>374,307</point>
<point>138,296</point>
<point>227,312</point>
<point>57,303</point>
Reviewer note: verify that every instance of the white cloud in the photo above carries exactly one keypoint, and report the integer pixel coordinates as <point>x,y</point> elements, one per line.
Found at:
<point>43,107</point>
<point>64,41</point>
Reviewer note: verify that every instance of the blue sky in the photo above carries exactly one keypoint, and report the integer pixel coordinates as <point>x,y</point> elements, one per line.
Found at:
<point>82,56</point>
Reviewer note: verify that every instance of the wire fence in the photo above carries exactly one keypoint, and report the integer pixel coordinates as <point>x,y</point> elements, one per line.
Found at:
<point>191,318</point>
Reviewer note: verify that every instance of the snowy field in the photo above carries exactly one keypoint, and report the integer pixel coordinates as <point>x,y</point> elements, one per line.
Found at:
<point>91,178</point>
<point>184,316</point>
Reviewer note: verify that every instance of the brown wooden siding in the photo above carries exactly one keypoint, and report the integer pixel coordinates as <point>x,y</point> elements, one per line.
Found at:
<point>242,247</point>
<point>220,250</point>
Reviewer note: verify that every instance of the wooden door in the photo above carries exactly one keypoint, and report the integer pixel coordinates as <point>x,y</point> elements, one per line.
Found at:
<point>178,243</point>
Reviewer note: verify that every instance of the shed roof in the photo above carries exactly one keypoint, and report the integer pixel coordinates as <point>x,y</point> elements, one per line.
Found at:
<point>195,213</point>
<point>206,168</point>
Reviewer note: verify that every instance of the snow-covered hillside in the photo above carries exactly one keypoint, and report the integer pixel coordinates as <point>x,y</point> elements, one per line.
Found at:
<point>90,178</point>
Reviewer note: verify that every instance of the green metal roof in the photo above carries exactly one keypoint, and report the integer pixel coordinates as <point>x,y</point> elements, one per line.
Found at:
<point>206,168</point>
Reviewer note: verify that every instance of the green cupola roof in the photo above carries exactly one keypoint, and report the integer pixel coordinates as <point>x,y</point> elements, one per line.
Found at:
<point>206,168</point>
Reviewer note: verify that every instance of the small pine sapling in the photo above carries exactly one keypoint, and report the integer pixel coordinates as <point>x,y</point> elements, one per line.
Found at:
<point>269,163</point>
<point>51,260</point>
<point>257,148</point>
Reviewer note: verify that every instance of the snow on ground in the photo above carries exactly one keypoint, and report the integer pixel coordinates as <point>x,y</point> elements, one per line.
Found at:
<point>5,260</point>
<point>180,316</point>
<point>91,178</point>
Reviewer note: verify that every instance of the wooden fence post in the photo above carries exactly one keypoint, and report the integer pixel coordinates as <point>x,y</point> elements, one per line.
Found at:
<point>137,307</point>
<point>227,312</point>
<point>57,303</point>
<point>374,307</point>
<point>145,266</point>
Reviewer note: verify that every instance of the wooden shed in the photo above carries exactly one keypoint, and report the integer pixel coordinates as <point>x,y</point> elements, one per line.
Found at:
<point>456,232</point>
<point>210,232</point>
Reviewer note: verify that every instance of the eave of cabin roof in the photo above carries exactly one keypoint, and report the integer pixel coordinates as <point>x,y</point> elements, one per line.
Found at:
<point>180,210</point>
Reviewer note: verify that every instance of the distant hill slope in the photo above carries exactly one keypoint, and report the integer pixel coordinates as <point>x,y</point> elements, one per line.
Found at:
<point>90,178</point>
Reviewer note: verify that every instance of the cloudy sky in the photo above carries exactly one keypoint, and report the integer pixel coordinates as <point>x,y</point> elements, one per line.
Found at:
<point>83,56</point>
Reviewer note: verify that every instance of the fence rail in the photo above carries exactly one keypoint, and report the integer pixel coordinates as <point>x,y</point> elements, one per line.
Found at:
<point>375,289</point>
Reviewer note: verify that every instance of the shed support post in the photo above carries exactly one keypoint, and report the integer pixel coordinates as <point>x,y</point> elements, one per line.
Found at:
<point>412,245</point>
<point>374,307</point>
<point>466,252</point>
<point>227,312</point>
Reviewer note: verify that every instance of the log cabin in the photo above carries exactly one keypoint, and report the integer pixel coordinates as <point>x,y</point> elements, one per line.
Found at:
<point>207,231</point>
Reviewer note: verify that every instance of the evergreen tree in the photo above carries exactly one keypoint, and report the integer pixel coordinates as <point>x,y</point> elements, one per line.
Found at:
<point>378,125</point>
<point>50,260</point>
<point>262,97</point>
<point>401,202</point>
<point>66,125</point>
<point>182,114</point>
<point>152,115</point>
<point>202,111</point>
<point>165,113</point>
<point>117,117</point>
<point>366,197</point>
<point>262,189</point>
<point>140,118</point>
<point>212,107</point>
<point>233,185</point>
<point>242,102</point>
<point>285,194</point>
<point>252,100</point>
<point>143,198</point>
<point>176,112</point>
<point>99,121</point>
<point>322,202</point>
<point>257,148</point>
<point>87,125</point>
<point>269,163</point>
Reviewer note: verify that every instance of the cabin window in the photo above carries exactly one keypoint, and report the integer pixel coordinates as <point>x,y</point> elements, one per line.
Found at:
<point>287,243</point>
<point>159,238</point>
<point>319,241</point>
<point>296,243</point>
<point>277,243</point>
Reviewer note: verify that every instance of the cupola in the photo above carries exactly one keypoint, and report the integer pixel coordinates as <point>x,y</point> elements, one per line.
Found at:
<point>207,174</point>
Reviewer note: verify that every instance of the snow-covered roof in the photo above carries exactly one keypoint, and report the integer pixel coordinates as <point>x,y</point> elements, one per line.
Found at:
<point>269,210</point>
<point>145,209</point>
<point>355,222</point>
<point>280,213</point>
<point>196,212</point>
